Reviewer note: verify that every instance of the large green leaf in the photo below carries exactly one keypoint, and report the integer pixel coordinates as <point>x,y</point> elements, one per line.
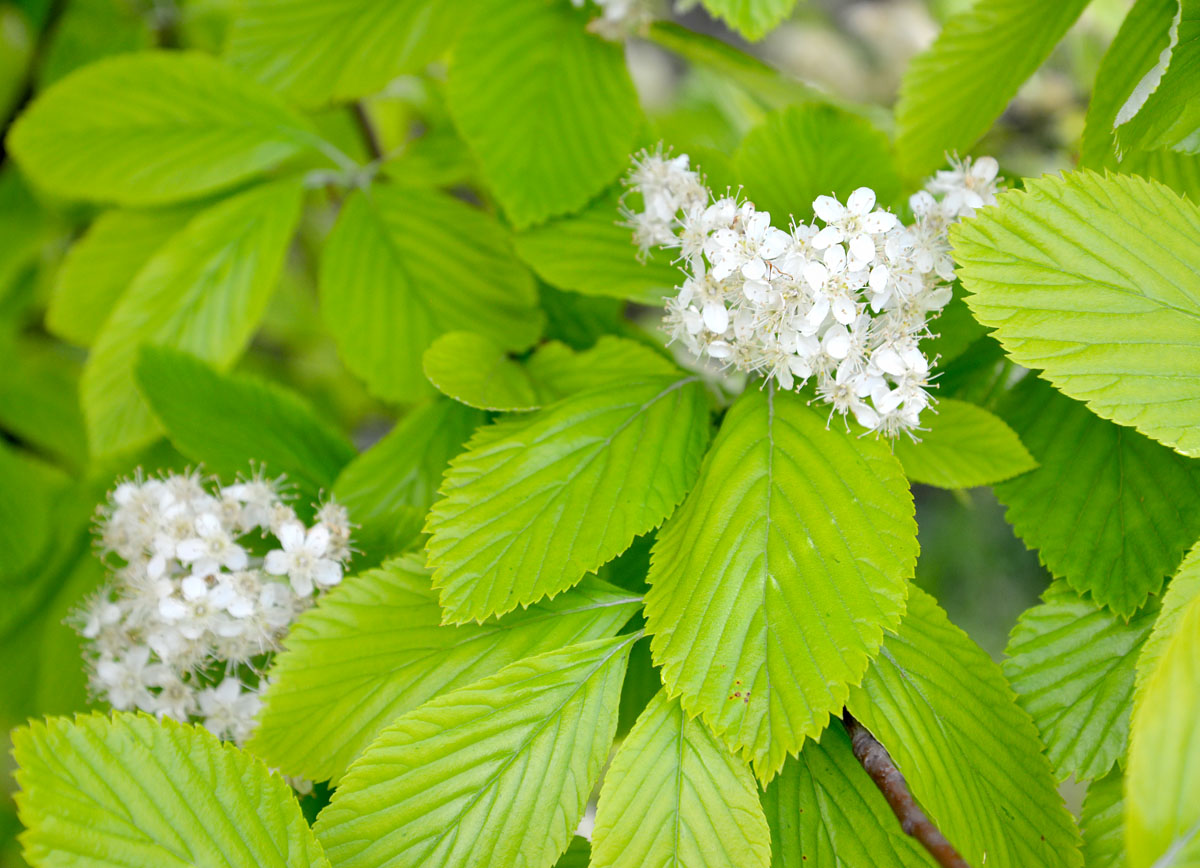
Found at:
<point>537,501</point>
<point>1136,503</point>
<point>953,92</point>
<point>1102,823</point>
<point>801,152</point>
<point>375,648</point>
<point>824,810</point>
<point>547,107</point>
<point>154,127</point>
<point>674,796</point>
<point>314,51</point>
<point>203,292</point>
<point>1162,789</point>
<point>497,773</point>
<point>229,423</point>
<point>965,446</point>
<point>1072,665</point>
<point>751,18</point>
<point>132,791</point>
<point>970,754</point>
<point>772,587</point>
<point>1182,589</point>
<point>404,265</point>
<point>1093,279</point>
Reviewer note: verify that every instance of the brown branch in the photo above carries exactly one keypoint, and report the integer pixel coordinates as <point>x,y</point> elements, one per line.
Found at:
<point>369,133</point>
<point>875,759</point>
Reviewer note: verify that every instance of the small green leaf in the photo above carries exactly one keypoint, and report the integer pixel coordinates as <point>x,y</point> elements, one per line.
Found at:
<point>578,855</point>
<point>132,791</point>
<point>674,796</point>
<point>537,501</point>
<point>1102,823</point>
<point>965,446</point>
<point>203,292</point>
<point>230,423</point>
<point>448,784</point>
<point>159,127</point>
<point>477,371</point>
<point>970,755</point>
<point>751,18</point>
<point>549,160</point>
<point>405,265</point>
<point>560,371</point>
<point>374,649</point>
<point>1106,303</point>
<point>764,606</point>
<point>1135,502</point>
<point>1072,665</point>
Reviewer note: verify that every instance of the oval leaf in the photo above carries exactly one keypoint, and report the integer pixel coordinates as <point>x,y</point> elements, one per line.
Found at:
<point>965,446</point>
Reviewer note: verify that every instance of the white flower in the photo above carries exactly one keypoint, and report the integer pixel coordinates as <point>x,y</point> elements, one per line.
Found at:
<point>212,548</point>
<point>302,558</point>
<point>227,710</point>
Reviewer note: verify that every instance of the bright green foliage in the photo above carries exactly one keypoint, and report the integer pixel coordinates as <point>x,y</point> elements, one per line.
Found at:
<point>751,18</point>
<point>315,51</point>
<point>28,488</point>
<point>537,501</point>
<point>547,107</point>
<point>1170,116</point>
<point>1136,503</point>
<point>802,152</point>
<point>1162,790</point>
<point>1105,302</point>
<point>953,92</point>
<point>674,796</point>
<point>1182,589</point>
<point>764,606</point>
<point>103,263</point>
<point>159,127</point>
<point>375,649</point>
<point>426,260</point>
<point>824,810</point>
<point>970,754</point>
<point>90,30</point>
<point>389,488</point>
<point>477,371</point>
<point>1072,665</point>
<point>1101,822</point>
<point>202,292</point>
<point>229,422</point>
<point>496,773</point>
<point>965,446</point>
<point>559,371</point>
<point>591,253</point>
<point>132,791</point>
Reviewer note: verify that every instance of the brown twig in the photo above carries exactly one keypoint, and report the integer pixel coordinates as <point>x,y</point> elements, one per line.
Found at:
<point>369,133</point>
<point>875,759</point>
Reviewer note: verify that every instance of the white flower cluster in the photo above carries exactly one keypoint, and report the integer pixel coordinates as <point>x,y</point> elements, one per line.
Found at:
<point>618,18</point>
<point>845,300</point>
<point>202,594</point>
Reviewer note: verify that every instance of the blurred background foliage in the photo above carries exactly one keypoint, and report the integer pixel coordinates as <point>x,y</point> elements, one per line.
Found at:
<point>851,52</point>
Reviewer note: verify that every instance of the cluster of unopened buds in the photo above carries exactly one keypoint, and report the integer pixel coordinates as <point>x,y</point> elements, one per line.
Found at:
<point>844,300</point>
<point>206,580</point>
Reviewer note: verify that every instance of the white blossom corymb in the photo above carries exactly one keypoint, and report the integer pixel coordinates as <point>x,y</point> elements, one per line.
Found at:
<point>201,596</point>
<point>844,300</point>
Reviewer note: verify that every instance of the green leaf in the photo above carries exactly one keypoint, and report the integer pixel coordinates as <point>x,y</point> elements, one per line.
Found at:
<point>1136,503</point>
<point>675,796</point>
<point>374,649</point>
<point>592,253</point>
<point>129,790</point>
<point>203,292</point>
<point>89,30</point>
<point>772,586</point>
<point>1106,303</point>
<point>1101,822</point>
<point>103,263</point>
<point>824,810</point>
<point>1162,791</point>
<point>230,423</point>
<point>29,488</point>
<point>537,501</point>
<point>1072,665</point>
<point>448,785</point>
<point>801,152</point>
<point>548,108</point>
<point>970,754</point>
<point>751,18</point>
<point>1169,116</point>
<point>1183,587</point>
<point>159,126</point>
<point>476,371</point>
<point>953,92</point>
<point>965,446</point>
<point>317,51</point>
<point>39,400</point>
<point>405,265</point>
<point>560,371</point>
